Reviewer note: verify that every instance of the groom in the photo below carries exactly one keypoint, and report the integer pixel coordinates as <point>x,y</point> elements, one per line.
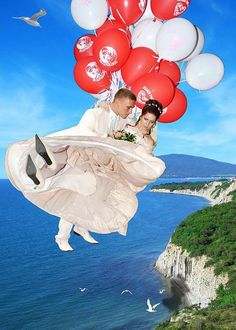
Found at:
<point>102,122</point>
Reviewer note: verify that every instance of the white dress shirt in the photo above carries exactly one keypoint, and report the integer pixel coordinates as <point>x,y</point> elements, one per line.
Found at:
<point>113,121</point>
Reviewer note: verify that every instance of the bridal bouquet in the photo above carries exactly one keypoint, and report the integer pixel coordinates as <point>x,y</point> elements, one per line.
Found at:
<point>125,136</point>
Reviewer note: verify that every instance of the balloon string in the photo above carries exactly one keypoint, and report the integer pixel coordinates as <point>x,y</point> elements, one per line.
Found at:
<point>181,67</point>
<point>181,72</point>
<point>120,16</point>
<point>139,34</point>
<point>181,81</point>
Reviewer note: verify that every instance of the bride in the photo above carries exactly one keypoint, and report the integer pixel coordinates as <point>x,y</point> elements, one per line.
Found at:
<point>95,186</point>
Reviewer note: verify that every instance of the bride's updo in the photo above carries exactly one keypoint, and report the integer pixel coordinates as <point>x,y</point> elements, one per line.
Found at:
<point>154,107</point>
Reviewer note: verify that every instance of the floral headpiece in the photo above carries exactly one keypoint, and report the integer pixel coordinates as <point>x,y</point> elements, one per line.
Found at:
<point>154,103</point>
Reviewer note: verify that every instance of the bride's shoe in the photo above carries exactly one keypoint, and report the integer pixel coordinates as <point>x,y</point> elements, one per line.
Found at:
<point>63,244</point>
<point>34,172</point>
<point>45,152</point>
<point>85,234</point>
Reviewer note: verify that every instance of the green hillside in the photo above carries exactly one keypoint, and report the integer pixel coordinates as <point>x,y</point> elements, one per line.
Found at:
<point>195,186</point>
<point>212,232</point>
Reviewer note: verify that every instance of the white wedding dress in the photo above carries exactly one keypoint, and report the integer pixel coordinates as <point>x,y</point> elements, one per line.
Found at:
<point>96,189</point>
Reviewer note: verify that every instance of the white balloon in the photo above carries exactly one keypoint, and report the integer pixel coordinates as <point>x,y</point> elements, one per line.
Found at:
<point>147,13</point>
<point>176,39</point>
<point>204,71</point>
<point>145,33</point>
<point>89,14</point>
<point>199,46</point>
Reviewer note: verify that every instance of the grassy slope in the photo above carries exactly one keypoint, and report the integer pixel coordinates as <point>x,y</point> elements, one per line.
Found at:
<point>211,231</point>
<point>195,186</point>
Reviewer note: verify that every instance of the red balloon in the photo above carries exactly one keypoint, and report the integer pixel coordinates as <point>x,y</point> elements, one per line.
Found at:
<point>140,61</point>
<point>127,11</point>
<point>113,24</point>
<point>171,70</point>
<point>111,49</point>
<point>166,9</point>
<point>176,109</point>
<point>90,77</point>
<point>84,46</point>
<point>153,85</point>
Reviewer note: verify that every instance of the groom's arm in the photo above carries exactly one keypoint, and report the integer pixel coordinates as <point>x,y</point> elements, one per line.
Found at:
<point>88,124</point>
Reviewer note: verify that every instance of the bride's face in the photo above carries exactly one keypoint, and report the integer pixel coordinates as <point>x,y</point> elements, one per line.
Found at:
<point>147,121</point>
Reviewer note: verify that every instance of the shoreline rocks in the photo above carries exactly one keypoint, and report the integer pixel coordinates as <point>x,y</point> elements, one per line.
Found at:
<point>199,284</point>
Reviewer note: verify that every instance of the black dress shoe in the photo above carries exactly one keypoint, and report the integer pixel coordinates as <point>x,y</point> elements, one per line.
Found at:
<point>42,151</point>
<point>76,233</point>
<point>31,170</point>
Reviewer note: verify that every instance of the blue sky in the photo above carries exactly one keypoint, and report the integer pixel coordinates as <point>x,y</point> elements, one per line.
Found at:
<point>38,93</point>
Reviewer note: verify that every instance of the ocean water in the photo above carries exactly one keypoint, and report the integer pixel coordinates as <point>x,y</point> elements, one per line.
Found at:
<point>39,284</point>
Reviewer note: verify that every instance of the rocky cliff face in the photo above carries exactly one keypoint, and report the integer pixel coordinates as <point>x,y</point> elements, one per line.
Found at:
<point>213,191</point>
<point>175,263</point>
<point>201,283</point>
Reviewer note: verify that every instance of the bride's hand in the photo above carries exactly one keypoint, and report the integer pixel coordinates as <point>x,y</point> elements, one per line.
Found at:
<point>111,134</point>
<point>118,134</point>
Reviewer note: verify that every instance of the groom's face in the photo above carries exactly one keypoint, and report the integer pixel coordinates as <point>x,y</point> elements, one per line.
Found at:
<point>125,106</point>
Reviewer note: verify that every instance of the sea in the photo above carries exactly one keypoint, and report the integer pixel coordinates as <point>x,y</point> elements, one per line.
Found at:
<point>40,285</point>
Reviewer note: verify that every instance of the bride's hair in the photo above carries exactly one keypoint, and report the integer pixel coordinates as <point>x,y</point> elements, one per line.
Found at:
<point>154,107</point>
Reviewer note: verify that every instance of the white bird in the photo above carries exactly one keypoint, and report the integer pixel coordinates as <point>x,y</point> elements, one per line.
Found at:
<point>126,291</point>
<point>151,309</point>
<point>162,291</point>
<point>83,289</point>
<point>33,20</point>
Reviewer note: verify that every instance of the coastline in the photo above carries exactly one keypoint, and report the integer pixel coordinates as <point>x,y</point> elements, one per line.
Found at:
<point>197,283</point>
<point>216,192</point>
<point>180,192</point>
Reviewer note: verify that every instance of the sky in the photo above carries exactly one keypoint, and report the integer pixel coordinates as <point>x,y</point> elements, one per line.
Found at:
<point>38,93</point>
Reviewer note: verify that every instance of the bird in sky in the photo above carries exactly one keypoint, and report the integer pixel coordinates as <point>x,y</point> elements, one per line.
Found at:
<point>33,20</point>
<point>151,308</point>
<point>126,291</point>
<point>83,289</point>
<point>161,291</point>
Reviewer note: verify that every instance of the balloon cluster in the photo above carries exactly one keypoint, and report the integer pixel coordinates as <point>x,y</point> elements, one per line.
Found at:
<point>136,45</point>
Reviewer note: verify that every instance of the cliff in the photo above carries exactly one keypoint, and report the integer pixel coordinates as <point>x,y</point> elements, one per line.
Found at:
<point>216,192</point>
<point>200,282</point>
<point>200,251</point>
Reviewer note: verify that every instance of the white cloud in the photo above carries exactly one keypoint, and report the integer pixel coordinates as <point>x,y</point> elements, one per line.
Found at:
<point>222,7</point>
<point>220,103</point>
<point>222,99</point>
<point>219,7</point>
<point>23,108</point>
<point>59,10</point>
<point>216,7</point>
<point>220,133</point>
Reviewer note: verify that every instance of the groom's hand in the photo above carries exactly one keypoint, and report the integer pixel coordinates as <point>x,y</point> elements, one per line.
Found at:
<point>111,134</point>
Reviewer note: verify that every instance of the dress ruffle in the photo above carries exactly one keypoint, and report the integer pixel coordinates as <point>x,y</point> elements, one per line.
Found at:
<point>96,189</point>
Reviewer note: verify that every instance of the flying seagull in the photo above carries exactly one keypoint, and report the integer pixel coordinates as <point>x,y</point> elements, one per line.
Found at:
<point>126,291</point>
<point>161,291</point>
<point>83,289</point>
<point>33,20</point>
<point>151,309</point>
